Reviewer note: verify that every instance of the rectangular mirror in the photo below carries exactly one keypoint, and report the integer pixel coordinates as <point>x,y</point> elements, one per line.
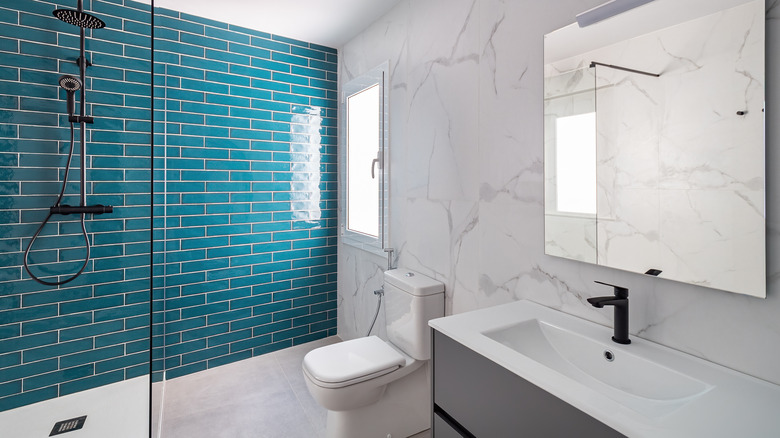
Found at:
<point>654,143</point>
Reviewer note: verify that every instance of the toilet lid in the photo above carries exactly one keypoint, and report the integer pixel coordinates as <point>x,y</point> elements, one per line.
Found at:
<point>352,361</point>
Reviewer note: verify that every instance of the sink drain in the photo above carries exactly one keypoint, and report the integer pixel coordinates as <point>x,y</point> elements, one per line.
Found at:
<point>609,355</point>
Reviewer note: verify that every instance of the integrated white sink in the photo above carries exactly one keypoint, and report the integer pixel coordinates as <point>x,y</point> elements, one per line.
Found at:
<point>639,389</point>
<point>638,382</point>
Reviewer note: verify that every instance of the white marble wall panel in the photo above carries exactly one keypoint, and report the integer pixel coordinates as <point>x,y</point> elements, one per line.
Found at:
<point>495,249</point>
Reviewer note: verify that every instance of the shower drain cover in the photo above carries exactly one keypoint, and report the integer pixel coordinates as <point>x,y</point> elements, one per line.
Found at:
<point>68,425</point>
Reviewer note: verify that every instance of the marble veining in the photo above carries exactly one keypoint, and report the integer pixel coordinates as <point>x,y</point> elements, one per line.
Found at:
<point>476,220</point>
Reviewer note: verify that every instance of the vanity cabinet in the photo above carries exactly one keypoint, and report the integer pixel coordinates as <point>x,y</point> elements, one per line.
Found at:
<point>475,397</point>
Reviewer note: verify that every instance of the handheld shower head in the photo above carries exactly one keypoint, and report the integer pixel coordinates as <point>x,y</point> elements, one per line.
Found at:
<point>71,84</point>
<point>79,18</point>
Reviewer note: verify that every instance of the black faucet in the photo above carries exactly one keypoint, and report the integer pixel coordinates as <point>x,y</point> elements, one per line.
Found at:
<point>620,301</point>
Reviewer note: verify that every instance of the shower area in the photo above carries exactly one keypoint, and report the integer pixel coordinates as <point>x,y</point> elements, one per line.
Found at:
<point>167,206</point>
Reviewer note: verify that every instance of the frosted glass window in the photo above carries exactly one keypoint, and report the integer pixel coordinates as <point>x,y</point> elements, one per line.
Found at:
<point>576,163</point>
<point>363,166</point>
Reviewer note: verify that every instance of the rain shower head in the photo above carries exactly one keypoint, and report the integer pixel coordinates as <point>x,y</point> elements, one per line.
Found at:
<point>79,18</point>
<point>71,84</point>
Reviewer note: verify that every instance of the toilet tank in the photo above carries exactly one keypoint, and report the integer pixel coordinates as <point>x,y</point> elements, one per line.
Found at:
<point>411,300</point>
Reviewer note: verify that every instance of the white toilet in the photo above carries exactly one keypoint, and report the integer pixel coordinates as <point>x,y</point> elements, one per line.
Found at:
<point>372,388</point>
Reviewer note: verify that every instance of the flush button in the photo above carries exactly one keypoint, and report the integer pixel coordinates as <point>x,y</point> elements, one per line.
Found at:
<point>409,274</point>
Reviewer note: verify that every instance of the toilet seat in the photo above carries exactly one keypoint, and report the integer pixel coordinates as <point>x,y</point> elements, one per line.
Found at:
<point>351,362</point>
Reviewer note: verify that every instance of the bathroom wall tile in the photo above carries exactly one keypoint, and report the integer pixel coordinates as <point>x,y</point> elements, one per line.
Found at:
<point>502,188</point>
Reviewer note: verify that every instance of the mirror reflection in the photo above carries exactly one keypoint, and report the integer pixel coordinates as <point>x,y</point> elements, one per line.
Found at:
<point>654,147</point>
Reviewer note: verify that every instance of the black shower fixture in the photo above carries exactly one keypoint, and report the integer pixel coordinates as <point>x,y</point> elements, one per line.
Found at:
<point>71,84</point>
<point>79,18</point>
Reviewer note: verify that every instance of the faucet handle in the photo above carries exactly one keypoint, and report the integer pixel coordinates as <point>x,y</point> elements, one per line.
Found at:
<point>620,291</point>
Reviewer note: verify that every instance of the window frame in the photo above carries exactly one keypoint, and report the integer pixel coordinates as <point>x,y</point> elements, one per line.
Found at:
<point>376,76</point>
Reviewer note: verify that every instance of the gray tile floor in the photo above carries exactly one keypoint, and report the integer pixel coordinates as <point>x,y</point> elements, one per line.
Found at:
<point>261,397</point>
<point>264,396</point>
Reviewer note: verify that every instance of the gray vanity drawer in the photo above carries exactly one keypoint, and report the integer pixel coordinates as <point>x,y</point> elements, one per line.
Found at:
<point>490,401</point>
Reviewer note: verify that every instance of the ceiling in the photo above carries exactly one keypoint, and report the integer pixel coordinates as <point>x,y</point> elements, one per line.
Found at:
<point>329,23</point>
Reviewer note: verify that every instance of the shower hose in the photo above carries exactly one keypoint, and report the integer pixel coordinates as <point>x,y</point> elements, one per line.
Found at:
<point>378,292</point>
<point>45,221</point>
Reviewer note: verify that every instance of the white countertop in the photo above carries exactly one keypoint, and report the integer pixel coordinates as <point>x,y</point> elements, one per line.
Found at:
<point>737,405</point>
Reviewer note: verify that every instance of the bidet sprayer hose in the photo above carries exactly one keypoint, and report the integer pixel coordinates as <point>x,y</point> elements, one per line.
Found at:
<point>379,292</point>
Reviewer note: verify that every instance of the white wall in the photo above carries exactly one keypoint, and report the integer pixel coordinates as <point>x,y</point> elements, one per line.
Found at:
<point>467,183</point>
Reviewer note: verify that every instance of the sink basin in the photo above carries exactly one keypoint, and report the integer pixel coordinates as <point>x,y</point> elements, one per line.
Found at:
<point>604,366</point>
<point>646,390</point>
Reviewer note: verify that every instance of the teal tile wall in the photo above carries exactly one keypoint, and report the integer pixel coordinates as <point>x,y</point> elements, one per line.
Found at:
<point>248,121</point>
<point>245,229</point>
<point>94,330</point>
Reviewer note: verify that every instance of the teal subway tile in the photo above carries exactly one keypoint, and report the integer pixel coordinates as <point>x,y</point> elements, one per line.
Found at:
<point>27,398</point>
<point>291,333</point>
<point>309,72</point>
<point>289,255</point>
<point>139,370</point>
<point>201,288</point>
<point>230,358</point>
<point>292,79</point>
<point>184,370</point>
<point>180,279</point>
<point>252,72</point>
<point>272,346</point>
<point>203,41</point>
<point>291,293</point>
<point>270,267</point>
<point>10,388</point>
<point>253,342</point>
<point>91,382</point>
<point>249,322</point>
<point>206,242</point>
<point>249,218</point>
<point>186,324</point>
<point>206,354</point>
<point>290,59</point>
<point>205,198</point>
<point>271,106</point>
<point>122,337</point>
<point>254,52</point>
<point>310,319</point>
<point>270,85</point>
<point>27,342</point>
<point>204,108</point>
<point>310,337</point>
<point>327,66</point>
<point>270,44</point>
<point>290,274</point>
<point>224,230</point>
<point>205,332</point>
<point>205,64</point>
<point>121,312</point>
<point>10,330</point>
<point>309,53</point>
<point>52,378</point>
<point>185,347</point>
<point>121,362</point>
<point>187,95</point>
<point>49,324</point>
<point>229,251</point>
<point>227,143</point>
<point>44,36</point>
<point>272,327</point>
<point>271,247</point>
<point>232,315</point>
<point>185,117</point>
<point>227,35</point>
<point>291,313</point>
<point>90,330</point>
<point>234,336</point>
<point>172,23</point>
<point>228,100</point>
<point>28,313</point>
<point>309,91</point>
<point>50,351</point>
